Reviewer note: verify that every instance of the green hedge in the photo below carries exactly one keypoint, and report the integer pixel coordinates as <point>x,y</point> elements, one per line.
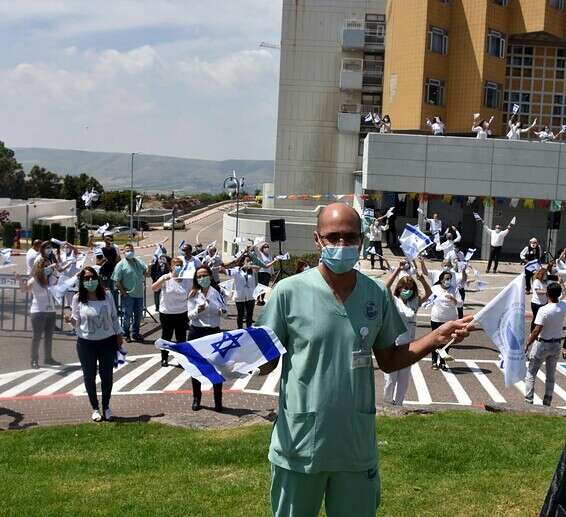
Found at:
<point>100,217</point>
<point>58,231</point>
<point>36,231</point>
<point>83,237</point>
<point>71,234</point>
<point>9,233</point>
<point>45,232</point>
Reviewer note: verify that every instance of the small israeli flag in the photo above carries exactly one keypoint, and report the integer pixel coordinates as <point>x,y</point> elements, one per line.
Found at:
<point>369,117</point>
<point>413,242</point>
<point>181,244</point>
<point>226,355</point>
<point>533,265</point>
<point>477,217</point>
<point>469,254</point>
<point>516,109</point>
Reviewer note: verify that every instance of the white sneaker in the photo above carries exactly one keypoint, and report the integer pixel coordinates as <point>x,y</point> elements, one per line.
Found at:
<point>96,416</point>
<point>108,415</point>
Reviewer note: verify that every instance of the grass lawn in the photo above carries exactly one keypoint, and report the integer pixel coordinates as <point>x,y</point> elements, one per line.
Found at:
<point>453,464</point>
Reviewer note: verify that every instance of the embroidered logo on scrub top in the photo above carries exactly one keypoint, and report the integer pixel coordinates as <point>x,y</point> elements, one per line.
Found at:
<point>371,310</point>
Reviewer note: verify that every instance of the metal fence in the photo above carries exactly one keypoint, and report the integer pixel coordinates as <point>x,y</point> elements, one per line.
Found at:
<point>15,303</point>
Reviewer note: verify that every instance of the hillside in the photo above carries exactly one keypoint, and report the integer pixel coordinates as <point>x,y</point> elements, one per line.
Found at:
<point>151,173</point>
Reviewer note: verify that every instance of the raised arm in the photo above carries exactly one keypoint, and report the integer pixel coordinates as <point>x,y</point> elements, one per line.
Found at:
<point>391,278</point>
<point>426,287</point>
<point>458,237</point>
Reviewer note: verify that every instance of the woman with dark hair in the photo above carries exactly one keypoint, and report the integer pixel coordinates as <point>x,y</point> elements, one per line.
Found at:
<point>516,128</point>
<point>385,124</point>
<point>407,299</point>
<point>481,128</point>
<point>436,125</point>
<point>99,335</point>
<point>266,271</point>
<point>445,302</point>
<point>159,267</point>
<point>205,306</point>
<point>172,306</point>
<point>242,271</point>
<point>42,310</point>
<point>529,253</point>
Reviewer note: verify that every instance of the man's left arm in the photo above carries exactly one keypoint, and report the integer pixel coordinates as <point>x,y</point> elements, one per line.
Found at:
<point>394,358</point>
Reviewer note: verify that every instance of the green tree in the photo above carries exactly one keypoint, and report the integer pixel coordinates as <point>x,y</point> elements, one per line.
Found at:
<point>12,176</point>
<point>43,183</point>
<point>75,186</point>
<point>117,201</point>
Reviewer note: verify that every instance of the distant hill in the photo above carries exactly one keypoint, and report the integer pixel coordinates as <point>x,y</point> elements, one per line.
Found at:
<point>151,172</point>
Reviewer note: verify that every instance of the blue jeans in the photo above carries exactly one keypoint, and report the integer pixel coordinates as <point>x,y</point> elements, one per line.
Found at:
<point>133,308</point>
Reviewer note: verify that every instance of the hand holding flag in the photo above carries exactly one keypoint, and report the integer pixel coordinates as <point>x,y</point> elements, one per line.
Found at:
<point>478,218</point>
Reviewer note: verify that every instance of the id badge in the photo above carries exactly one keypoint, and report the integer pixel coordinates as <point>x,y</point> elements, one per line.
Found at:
<point>361,359</point>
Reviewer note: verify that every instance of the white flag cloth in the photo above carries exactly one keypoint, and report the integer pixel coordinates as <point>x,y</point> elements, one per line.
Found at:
<point>516,109</point>
<point>226,355</point>
<point>181,244</point>
<point>503,320</point>
<point>469,254</point>
<point>429,301</point>
<point>5,256</point>
<point>533,265</point>
<point>401,197</point>
<point>369,212</point>
<point>514,202</point>
<point>120,357</point>
<point>420,210</point>
<point>285,256</point>
<point>513,221</point>
<point>477,217</point>
<point>471,200</point>
<point>59,290</point>
<point>390,212</point>
<point>368,118</point>
<point>371,251</point>
<point>227,287</point>
<point>101,229</point>
<point>159,250</point>
<point>261,289</point>
<point>413,242</point>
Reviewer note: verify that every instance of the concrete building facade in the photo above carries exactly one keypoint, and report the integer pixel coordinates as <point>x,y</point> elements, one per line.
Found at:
<point>26,211</point>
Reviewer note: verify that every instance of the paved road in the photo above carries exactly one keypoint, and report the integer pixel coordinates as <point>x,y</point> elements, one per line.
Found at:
<point>57,394</point>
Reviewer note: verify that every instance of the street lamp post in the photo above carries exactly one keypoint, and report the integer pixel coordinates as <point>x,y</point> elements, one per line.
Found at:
<point>132,195</point>
<point>233,184</point>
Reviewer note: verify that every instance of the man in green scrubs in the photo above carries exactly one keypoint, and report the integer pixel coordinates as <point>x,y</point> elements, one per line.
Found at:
<point>330,319</point>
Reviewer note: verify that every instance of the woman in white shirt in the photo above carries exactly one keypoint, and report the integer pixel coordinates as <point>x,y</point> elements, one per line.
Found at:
<point>244,287</point>
<point>99,335</point>
<point>375,235</point>
<point>481,128</point>
<point>266,271</point>
<point>446,300</point>
<point>538,299</point>
<point>385,125</point>
<point>42,310</point>
<point>436,125</point>
<point>407,299</point>
<point>516,128</point>
<point>546,135</point>
<point>205,307</point>
<point>172,306</point>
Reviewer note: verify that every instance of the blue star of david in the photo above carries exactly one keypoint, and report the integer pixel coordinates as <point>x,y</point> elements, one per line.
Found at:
<point>227,338</point>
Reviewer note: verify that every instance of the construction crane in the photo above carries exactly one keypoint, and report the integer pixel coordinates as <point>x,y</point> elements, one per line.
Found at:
<point>268,44</point>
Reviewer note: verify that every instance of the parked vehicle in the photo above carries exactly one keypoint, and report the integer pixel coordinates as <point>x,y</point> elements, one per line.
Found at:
<point>179,225</point>
<point>120,231</point>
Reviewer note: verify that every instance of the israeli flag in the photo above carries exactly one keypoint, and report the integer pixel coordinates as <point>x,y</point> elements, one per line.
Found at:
<point>516,109</point>
<point>120,358</point>
<point>477,217</point>
<point>101,229</point>
<point>369,117</point>
<point>283,257</point>
<point>226,355</point>
<point>469,254</point>
<point>5,256</point>
<point>181,244</point>
<point>413,242</point>
<point>503,320</point>
<point>533,265</point>
<point>63,285</point>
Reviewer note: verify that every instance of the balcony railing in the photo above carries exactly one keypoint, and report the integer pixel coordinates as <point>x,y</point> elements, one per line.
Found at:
<point>349,118</point>
<point>351,75</point>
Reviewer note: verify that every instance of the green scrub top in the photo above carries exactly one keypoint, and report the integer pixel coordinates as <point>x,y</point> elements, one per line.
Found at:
<point>326,419</point>
<point>130,273</point>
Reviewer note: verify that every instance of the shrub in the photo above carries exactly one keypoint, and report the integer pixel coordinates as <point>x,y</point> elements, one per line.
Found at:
<point>9,233</point>
<point>45,232</point>
<point>100,217</point>
<point>58,231</point>
<point>83,237</point>
<point>71,234</point>
<point>36,231</point>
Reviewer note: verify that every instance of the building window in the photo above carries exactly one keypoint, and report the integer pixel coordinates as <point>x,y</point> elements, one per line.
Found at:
<point>434,93</point>
<point>557,4</point>
<point>561,63</point>
<point>501,2</point>
<point>496,43</point>
<point>492,95</point>
<point>438,40</point>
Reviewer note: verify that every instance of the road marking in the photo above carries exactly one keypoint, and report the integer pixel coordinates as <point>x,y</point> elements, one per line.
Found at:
<point>177,382</point>
<point>557,389</point>
<point>151,380</point>
<point>136,372</point>
<point>56,386</point>
<point>215,223</point>
<point>13,376</point>
<point>485,382</point>
<point>241,384</point>
<point>423,394</point>
<point>457,388</point>
<point>272,381</point>
<point>23,386</point>
<point>537,401</point>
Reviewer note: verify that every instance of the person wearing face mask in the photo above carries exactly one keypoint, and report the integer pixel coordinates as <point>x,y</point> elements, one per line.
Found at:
<point>528,254</point>
<point>159,267</point>
<point>407,300</point>
<point>434,275</point>
<point>446,300</point>
<point>112,255</point>
<point>540,283</point>
<point>205,307</point>
<point>32,254</point>
<point>330,319</point>
<point>99,335</point>
<point>546,135</point>
<point>129,276</point>
<point>42,310</point>
<point>481,128</point>
<point>190,265</point>
<point>447,247</point>
<point>375,234</point>
<point>497,238</point>
<point>266,271</point>
<point>242,271</point>
<point>172,306</point>
<point>516,128</point>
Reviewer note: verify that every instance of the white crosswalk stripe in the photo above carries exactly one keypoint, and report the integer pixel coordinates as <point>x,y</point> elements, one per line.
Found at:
<point>466,382</point>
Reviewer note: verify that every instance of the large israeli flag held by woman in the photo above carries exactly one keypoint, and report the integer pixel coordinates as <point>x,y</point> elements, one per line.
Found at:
<point>413,242</point>
<point>503,320</point>
<point>226,355</point>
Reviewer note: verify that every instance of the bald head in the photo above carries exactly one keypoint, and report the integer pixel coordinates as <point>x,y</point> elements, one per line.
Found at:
<point>341,215</point>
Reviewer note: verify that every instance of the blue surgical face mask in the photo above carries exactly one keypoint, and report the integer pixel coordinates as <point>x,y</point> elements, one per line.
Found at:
<point>47,271</point>
<point>91,285</point>
<point>340,259</point>
<point>446,284</point>
<point>178,270</point>
<point>204,282</point>
<point>129,254</point>
<point>406,294</point>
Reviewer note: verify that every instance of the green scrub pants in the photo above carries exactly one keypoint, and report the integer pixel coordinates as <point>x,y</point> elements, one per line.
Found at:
<point>346,494</point>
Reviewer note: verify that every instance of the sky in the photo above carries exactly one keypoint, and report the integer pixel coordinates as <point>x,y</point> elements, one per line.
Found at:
<point>180,78</point>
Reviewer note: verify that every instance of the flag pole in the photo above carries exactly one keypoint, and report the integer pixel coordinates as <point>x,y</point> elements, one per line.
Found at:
<point>442,352</point>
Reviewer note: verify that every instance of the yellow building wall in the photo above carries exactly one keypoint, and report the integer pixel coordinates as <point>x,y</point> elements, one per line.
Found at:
<point>405,42</point>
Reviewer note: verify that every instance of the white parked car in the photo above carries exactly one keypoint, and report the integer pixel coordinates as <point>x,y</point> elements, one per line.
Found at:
<point>119,231</point>
<point>179,225</point>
